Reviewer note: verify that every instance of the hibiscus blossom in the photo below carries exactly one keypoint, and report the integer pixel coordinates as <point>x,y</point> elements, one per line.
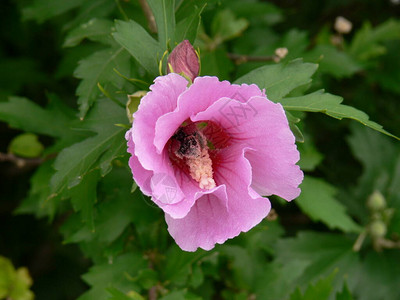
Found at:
<point>207,154</point>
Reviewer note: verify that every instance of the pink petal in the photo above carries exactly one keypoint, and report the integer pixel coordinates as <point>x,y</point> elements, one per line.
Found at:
<point>211,220</point>
<point>201,94</point>
<point>261,125</point>
<point>140,175</point>
<point>161,100</point>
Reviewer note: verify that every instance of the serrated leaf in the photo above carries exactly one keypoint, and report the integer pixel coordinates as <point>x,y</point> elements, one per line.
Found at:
<point>323,253</point>
<point>38,201</point>
<point>226,26</point>
<point>280,79</point>
<point>116,273</point>
<point>94,152</point>
<point>84,196</point>
<point>332,61</point>
<point>377,277</point>
<point>42,10</point>
<point>26,115</point>
<point>365,44</point>
<point>97,30</point>
<point>135,39</point>
<point>178,264</point>
<point>344,294</point>
<point>164,14</point>
<point>112,217</point>
<point>331,105</point>
<point>118,295</point>
<point>188,27</point>
<point>98,68</point>
<point>321,290</point>
<point>277,280</point>
<point>318,202</point>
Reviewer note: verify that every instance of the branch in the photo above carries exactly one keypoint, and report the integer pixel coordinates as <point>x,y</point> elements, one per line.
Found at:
<point>151,21</point>
<point>240,59</point>
<point>280,53</point>
<point>20,161</point>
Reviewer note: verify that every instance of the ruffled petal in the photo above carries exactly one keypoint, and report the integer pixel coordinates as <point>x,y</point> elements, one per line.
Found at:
<point>211,220</point>
<point>201,94</point>
<point>161,100</point>
<point>261,125</point>
<point>140,175</point>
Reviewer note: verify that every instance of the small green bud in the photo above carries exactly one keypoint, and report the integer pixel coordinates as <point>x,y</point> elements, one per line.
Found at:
<point>377,229</point>
<point>376,201</point>
<point>133,103</point>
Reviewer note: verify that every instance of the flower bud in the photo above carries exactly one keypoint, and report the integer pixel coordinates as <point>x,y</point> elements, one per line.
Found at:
<point>342,25</point>
<point>376,201</point>
<point>183,59</point>
<point>377,229</point>
<point>133,103</point>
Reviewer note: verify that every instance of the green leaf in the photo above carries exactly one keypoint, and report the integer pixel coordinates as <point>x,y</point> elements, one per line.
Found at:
<point>188,27</point>
<point>26,115</point>
<point>344,294</point>
<point>277,280</point>
<point>98,68</point>
<point>366,43</point>
<point>318,202</point>
<point>377,277</point>
<point>322,253</point>
<point>280,79</point>
<point>178,264</point>
<point>26,145</point>
<point>94,152</point>
<point>42,10</point>
<point>226,26</point>
<point>116,273</point>
<point>332,61</point>
<point>310,158</point>
<point>14,284</point>
<point>331,105</point>
<point>164,14</point>
<point>118,295</point>
<point>139,44</point>
<point>39,201</point>
<point>321,290</point>
<point>175,295</point>
<point>84,196</point>
<point>97,30</point>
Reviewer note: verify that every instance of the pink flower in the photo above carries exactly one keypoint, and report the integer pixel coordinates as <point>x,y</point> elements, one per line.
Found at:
<point>207,153</point>
<point>183,59</point>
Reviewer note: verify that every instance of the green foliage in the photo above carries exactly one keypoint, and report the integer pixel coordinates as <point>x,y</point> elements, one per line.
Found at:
<point>14,283</point>
<point>280,79</point>
<point>98,69</point>
<point>146,50</point>
<point>26,145</point>
<point>321,290</point>
<point>321,246</point>
<point>318,202</point>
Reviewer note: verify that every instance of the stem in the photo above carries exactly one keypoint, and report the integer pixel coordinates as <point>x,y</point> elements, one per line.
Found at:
<point>240,59</point>
<point>19,161</point>
<point>151,21</point>
<point>360,240</point>
<point>121,10</point>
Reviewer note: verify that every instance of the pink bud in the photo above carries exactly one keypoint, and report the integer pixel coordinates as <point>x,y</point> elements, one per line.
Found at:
<point>184,59</point>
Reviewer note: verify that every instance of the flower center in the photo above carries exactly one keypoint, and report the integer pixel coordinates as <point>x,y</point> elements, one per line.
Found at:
<point>193,147</point>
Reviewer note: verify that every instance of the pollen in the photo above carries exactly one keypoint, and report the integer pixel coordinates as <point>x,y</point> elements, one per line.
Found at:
<point>201,169</point>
